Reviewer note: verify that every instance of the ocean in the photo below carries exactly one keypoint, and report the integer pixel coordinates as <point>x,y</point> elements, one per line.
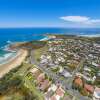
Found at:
<point>27,34</point>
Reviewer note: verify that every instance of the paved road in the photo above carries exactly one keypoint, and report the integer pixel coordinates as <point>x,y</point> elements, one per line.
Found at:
<point>65,83</point>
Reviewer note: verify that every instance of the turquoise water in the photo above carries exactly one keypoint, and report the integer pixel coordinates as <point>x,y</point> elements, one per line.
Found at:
<point>5,56</point>
<point>28,34</point>
<point>2,52</point>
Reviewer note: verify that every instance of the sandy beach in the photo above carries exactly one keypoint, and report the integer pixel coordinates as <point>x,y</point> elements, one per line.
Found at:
<point>15,62</point>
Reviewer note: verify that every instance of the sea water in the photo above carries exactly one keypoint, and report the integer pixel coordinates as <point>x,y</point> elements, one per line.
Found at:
<point>11,35</point>
<point>5,56</point>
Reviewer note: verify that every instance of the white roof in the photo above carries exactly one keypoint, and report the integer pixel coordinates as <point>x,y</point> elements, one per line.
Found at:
<point>61,70</point>
<point>33,70</point>
<point>53,87</point>
<point>87,69</point>
<point>93,63</point>
<point>97,93</point>
<point>57,97</point>
<point>67,74</point>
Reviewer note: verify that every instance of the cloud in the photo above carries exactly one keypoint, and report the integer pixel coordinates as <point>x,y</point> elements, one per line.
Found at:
<point>81,19</point>
<point>75,18</point>
<point>95,21</point>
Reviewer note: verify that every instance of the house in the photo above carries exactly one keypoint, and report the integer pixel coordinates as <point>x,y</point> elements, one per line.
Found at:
<point>97,46</point>
<point>98,74</point>
<point>68,97</point>
<point>87,78</point>
<point>42,57</point>
<point>44,61</point>
<point>98,77</point>
<point>78,82</point>
<point>41,77</point>
<point>87,69</point>
<point>35,72</point>
<point>61,69</point>
<point>95,64</point>
<point>60,92</point>
<point>55,97</point>
<point>61,59</point>
<point>49,94</point>
<point>57,94</point>
<point>44,85</point>
<point>96,95</point>
<point>53,88</point>
<point>89,88</point>
<point>66,74</point>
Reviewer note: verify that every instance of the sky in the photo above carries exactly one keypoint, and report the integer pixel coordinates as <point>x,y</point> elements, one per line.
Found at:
<point>50,13</point>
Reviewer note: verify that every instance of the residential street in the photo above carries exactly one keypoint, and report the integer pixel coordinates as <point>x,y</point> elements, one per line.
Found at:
<point>57,79</point>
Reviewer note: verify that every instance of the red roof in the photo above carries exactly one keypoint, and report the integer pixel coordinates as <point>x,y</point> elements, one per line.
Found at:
<point>60,92</point>
<point>89,88</point>
<point>45,84</point>
<point>53,98</point>
<point>40,78</point>
<point>78,81</point>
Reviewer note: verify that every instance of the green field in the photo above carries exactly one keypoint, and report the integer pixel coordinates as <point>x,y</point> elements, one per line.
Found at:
<point>17,86</point>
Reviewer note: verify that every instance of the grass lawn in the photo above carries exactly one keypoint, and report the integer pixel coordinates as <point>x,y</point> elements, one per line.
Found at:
<point>38,52</point>
<point>13,95</point>
<point>23,70</point>
<point>20,75</point>
<point>55,69</point>
<point>62,78</point>
<point>29,84</point>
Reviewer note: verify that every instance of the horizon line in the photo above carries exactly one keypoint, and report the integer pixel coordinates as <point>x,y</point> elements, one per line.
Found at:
<point>49,27</point>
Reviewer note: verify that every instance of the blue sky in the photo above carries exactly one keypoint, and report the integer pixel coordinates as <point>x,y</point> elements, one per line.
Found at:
<point>49,13</point>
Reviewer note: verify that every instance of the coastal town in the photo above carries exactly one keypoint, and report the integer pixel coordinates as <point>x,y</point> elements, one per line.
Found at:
<point>58,68</point>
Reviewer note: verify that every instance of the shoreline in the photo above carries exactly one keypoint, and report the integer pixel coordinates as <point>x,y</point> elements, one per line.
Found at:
<point>75,35</point>
<point>7,58</point>
<point>91,36</point>
<point>15,62</point>
<point>22,54</point>
<point>45,38</point>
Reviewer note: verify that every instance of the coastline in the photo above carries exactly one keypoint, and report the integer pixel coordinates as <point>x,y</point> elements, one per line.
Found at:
<point>45,38</point>
<point>7,57</point>
<point>15,62</point>
<point>91,36</point>
<point>22,54</point>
